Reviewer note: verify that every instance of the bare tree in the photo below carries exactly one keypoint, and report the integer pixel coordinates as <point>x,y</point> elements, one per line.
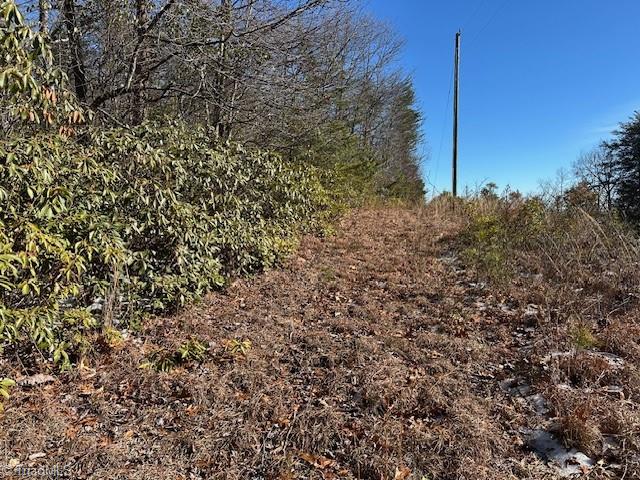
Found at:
<point>75,48</point>
<point>597,170</point>
<point>272,73</point>
<point>43,16</point>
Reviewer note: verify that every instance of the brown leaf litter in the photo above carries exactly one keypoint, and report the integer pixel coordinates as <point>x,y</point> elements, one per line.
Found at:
<point>372,356</point>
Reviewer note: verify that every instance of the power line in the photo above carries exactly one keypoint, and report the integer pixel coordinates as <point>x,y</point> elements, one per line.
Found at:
<point>473,15</point>
<point>491,19</point>
<point>444,123</point>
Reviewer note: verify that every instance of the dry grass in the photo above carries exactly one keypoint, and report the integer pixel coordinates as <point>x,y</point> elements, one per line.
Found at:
<point>581,274</point>
<point>375,355</point>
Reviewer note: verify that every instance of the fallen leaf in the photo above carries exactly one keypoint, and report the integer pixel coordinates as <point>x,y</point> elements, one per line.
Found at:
<point>88,390</point>
<point>317,461</point>
<point>192,410</point>
<point>402,473</point>
<point>585,468</point>
<point>89,420</point>
<point>71,431</point>
<point>283,421</point>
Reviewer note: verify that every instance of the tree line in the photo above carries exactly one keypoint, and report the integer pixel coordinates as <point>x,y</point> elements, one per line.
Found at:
<point>118,201</point>
<point>612,171</point>
<point>303,77</point>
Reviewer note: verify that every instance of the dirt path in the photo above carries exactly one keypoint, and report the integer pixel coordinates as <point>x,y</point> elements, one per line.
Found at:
<point>373,356</point>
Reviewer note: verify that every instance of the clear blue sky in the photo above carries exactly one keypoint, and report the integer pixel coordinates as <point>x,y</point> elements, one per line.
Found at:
<point>541,81</point>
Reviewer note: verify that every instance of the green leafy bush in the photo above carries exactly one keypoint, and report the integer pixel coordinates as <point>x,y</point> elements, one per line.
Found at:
<point>31,86</point>
<point>499,228</point>
<point>164,361</point>
<point>115,222</point>
<point>5,385</point>
<point>487,251</point>
<point>101,226</point>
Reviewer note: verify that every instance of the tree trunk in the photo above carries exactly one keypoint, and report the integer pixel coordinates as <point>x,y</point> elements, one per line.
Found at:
<point>43,10</point>
<point>226,28</point>
<point>77,66</point>
<point>139,112</point>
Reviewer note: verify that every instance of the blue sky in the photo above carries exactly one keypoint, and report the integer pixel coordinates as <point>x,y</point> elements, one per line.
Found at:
<point>541,81</point>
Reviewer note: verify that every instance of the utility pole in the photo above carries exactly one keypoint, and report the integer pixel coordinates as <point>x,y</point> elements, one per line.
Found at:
<point>456,96</point>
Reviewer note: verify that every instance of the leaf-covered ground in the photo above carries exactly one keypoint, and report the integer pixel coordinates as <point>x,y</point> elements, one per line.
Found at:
<point>374,355</point>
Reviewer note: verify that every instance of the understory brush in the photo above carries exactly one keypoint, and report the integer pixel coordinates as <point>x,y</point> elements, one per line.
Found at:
<point>575,271</point>
<point>107,226</point>
<point>568,245</point>
<point>101,226</point>
<point>120,223</point>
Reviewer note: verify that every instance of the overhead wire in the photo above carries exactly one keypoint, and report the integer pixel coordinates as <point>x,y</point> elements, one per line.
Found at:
<point>493,16</point>
<point>475,36</point>
<point>446,118</point>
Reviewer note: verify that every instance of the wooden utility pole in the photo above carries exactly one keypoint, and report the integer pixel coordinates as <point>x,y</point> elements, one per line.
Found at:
<point>456,96</point>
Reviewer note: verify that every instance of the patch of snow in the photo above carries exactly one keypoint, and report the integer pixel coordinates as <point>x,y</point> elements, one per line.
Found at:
<point>614,361</point>
<point>450,259</point>
<point>539,404</point>
<point>567,462</point>
<point>531,311</point>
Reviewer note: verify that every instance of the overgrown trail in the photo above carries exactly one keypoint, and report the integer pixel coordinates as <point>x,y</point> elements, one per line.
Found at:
<point>370,359</point>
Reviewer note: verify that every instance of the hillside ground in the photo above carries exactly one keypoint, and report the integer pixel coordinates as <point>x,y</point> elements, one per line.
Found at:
<point>370,354</point>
